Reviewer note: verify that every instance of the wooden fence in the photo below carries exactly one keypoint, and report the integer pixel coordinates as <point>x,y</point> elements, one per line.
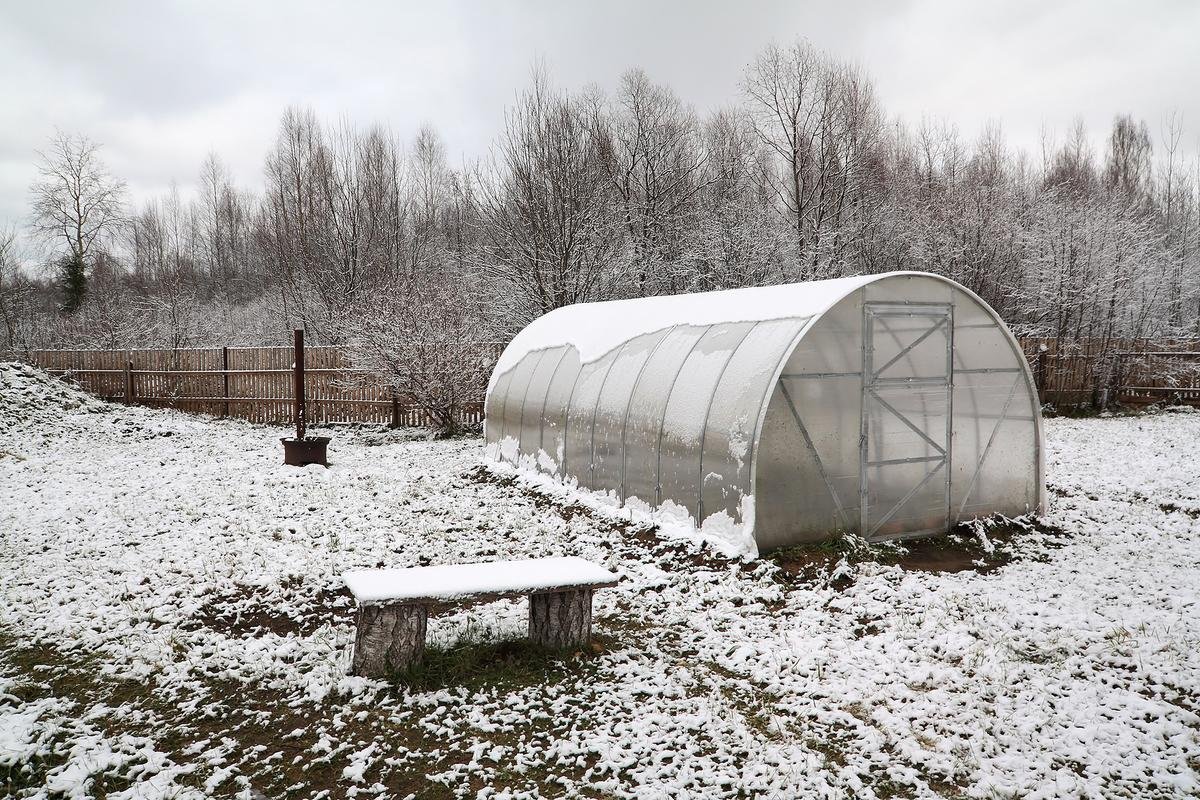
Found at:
<point>1129,371</point>
<point>251,383</point>
<point>255,383</point>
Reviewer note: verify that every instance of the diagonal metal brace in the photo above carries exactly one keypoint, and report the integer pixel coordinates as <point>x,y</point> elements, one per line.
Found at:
<point>936,327</point>
<point>912,493</point>
<point>988,447</point>
<point>837,503</point>
<point>906,421</point>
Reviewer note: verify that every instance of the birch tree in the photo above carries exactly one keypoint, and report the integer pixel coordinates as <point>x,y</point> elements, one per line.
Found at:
<point>77,206</point>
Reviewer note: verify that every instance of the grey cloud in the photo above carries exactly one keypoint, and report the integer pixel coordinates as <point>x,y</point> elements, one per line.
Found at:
<point>162,83</point>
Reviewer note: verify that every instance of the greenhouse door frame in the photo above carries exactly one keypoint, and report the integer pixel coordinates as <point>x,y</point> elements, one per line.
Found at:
<point>875,388</point>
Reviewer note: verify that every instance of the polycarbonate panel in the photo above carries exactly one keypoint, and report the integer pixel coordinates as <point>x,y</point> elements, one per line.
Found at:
<point>648,401</point>
<point>793,501</point>
<point>494,414</point>
<point>828,467</point>
<point>909,288</point>
<point>581,416</point>
<point>979,341</point>
<point>554,419</point>
<point>521,400</point>
<point>832,345</point>
<point>510,410</point>
<point>729,437</point>
<point>979,348</point>
<point>611,409</point>
<point>995,435</point>
<point>1007,483</point>
<point>533,405</point>
<point>687,411</point>
<point>908,341</point>
<point>905,470</point>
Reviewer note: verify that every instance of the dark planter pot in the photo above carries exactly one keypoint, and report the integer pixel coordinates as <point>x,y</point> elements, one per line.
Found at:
<point>302,452</point>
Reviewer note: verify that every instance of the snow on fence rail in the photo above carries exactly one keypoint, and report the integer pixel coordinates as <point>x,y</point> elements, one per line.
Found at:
<point>254,383</point>
<point>251,383</point>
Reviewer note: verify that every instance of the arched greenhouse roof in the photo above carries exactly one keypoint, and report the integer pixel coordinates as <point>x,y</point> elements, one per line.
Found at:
<point>595,329</point>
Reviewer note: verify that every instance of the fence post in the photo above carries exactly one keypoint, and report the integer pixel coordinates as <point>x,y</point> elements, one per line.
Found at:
<point>1040,374</point>
<point>225,379</point>
<point>128,382</point>
<point>1116,377</point>
<point>395,410</point>
<point>298,391</point>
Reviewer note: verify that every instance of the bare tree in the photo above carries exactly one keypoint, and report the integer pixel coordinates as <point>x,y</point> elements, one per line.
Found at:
<point>548,224</point>
<point>1169,202</point>
<point>1072,167</point>
<point>1127,168</point>
<point>423,343</point>
<point>820,120</point>
<point>738,243</point>
<point>223,222</point>
<point>16,293</point>
<point>76,204</point>
<point>430,189</point>
<point>655,160</point>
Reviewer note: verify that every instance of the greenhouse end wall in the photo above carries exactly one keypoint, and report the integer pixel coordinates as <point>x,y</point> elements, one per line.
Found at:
<point>956,411</point>
<point>753,430</point>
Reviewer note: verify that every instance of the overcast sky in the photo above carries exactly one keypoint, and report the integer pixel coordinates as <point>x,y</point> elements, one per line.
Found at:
<point>161,84</point>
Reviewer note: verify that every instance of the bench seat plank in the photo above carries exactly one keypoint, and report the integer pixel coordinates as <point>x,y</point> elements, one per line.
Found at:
<point>447,582</point>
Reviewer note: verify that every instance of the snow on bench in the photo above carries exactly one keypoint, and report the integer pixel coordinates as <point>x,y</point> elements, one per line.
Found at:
<point>393,604</point>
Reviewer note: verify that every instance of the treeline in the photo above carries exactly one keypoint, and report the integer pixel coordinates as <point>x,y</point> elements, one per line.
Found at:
<point>369,241</point>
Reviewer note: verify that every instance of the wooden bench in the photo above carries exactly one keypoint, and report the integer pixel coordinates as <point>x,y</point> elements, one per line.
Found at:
<point>393,604</point>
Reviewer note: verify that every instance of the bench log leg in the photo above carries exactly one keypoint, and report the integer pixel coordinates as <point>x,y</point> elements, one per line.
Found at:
<point>390,638</point>
<point>561,619</point>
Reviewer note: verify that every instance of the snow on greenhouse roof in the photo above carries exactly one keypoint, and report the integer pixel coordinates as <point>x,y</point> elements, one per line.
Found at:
<point>596,328</point>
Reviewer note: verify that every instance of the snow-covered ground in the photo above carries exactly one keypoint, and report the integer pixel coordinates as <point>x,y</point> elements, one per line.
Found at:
<point>173,624</point>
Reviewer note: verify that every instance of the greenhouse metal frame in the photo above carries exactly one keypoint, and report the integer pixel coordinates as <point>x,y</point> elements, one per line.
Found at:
<point>887,405</point>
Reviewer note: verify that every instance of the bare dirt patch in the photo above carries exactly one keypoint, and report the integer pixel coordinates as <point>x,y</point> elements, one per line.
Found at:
<point>981,547</point>
<point>254,611</point>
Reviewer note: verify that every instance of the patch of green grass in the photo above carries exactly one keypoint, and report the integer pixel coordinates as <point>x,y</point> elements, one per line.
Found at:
<point>504,665</point>
<point>841,544</point>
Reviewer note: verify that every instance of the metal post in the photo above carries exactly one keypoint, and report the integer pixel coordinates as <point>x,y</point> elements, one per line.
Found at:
<point>225,379</point>
<point>1040,375</point>
<point>298,372</point>
<point>128,382</point>
<point>950,520</point>
<point>864,426</point>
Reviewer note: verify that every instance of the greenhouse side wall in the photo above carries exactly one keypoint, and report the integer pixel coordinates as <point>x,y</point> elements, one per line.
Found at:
<point>665,423</point>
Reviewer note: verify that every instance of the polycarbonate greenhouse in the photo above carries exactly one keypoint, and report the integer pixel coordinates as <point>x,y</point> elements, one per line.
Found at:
<point>886,405</point>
